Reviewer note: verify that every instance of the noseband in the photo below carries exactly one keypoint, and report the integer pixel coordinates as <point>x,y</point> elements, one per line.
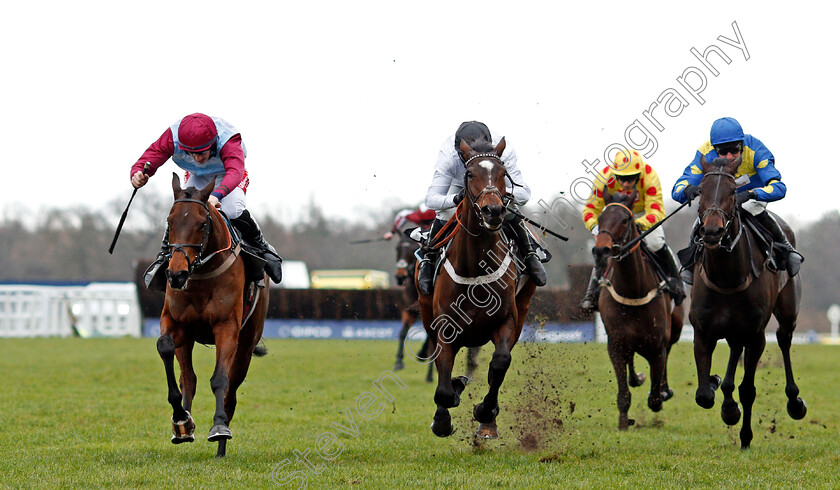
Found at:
<point>489,189</point>
<point>180,247</point>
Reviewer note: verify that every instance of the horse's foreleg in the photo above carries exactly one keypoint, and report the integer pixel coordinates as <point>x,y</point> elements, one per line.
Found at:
<point>620,363</point>
<point>729,411</point>
<point>182,424</point>
<point>486,411</point>
<point>746,390</point>
<point>706,384</point>
<point>226,337</point>
<point>657,375</point>
<point>786,311</point>
<point>445,395</point>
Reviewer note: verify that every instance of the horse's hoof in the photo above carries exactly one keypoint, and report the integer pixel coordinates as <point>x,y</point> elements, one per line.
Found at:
<point>179,440</point>
<point>183,430</point>
<point>442,430</point>
<point>637,380</point>
<point>667,394</point>
<point>487,431</point>
<point>219,432</point>
<point>797,408</point>
<point>399,365</point>
<point>481,414</point>
<point>730,415</point>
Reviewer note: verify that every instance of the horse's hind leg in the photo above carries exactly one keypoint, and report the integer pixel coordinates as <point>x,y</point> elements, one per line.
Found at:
<point>182,423</point>
<point>620,363</point>
<point>472,361</point>
<point>188,379</point>
<point>635,379</point>
<point>746,390</point>
<point>786,311</point>
<point>729,411</point>
<point>407,320</point>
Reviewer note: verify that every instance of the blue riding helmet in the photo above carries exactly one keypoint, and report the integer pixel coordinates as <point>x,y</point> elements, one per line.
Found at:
<point>725,130</point>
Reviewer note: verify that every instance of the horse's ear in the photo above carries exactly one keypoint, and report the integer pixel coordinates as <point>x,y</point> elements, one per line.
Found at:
<point>176,184</point>
<point>608,198</point>
<point>704,164</point>
<point>204,194</point>
<point>500,148</point>
<point>466,149</point>
<point>633,196</point>
<point>732,166</point>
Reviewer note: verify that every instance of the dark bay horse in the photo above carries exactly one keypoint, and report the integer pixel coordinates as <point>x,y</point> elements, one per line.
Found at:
<point>638,314</point>
<point>475,298</point>
<point>410,307</point>
<point>205,294</point>
<point>734,294</point>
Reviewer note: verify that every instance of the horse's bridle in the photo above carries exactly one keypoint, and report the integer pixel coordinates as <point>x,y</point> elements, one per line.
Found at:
<point>489,189</point>
<point>727,218</point>
<point>615,251</point>
<point>179,247</point>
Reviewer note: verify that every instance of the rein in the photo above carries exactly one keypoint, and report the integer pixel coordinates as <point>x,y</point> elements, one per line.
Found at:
<point>200,261</point>
<point>620,252</point>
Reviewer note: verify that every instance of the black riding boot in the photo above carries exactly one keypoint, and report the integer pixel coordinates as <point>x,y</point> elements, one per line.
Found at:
<point>788,257</point>
<point>154,276</point>
<point>533,266</point>
<point>686,257</point>
<point>425,275</point>
<point>251,233</point>
<point>589,303</point>
<point>675,285</point>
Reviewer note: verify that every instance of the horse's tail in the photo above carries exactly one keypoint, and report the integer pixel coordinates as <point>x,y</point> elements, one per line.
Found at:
<point>260,350</point>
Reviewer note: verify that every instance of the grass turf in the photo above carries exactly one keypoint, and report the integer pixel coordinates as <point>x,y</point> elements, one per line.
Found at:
<point>93,413</point>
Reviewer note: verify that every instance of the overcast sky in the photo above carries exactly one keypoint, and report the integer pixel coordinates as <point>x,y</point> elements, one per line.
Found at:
<point>346,103</point>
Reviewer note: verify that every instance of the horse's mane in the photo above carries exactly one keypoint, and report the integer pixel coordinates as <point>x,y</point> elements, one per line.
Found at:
<point>719,162</point>
<point>482,146</point>
<point>191,192</point>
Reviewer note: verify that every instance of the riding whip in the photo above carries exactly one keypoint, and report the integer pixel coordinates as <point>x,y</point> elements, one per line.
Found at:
<point>368,240</point>
<point>541,227</point>
<point>146,167</point>
<point>631,243</point>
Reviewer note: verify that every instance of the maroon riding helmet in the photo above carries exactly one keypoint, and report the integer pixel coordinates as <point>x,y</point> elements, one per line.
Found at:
<point>196,133</point>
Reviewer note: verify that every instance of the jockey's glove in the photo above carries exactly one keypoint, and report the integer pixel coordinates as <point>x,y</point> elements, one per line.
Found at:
<point>691,191</point>
<point>458,197</point>
<point>744,196</point>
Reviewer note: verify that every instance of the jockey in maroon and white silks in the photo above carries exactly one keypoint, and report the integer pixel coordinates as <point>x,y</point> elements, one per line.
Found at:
<point>209,149</point>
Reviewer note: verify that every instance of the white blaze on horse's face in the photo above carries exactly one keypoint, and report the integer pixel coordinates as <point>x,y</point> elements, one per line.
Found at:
<point>488,165</point>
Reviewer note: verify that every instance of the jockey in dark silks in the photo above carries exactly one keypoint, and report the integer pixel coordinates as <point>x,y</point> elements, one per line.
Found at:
<point>763,184</point>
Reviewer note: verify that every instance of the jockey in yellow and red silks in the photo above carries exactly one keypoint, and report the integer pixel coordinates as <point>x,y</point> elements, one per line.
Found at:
<point>628,172</point>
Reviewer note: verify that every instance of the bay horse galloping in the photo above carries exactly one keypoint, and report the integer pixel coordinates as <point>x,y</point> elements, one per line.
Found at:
<point>638,314</point>
<point>475,298</point>
<point>205,294</point>
<point>734,294</point>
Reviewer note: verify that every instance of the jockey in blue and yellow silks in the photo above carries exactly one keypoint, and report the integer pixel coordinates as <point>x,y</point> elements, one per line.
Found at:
<point>727,139</point>
<point>631,172</point>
